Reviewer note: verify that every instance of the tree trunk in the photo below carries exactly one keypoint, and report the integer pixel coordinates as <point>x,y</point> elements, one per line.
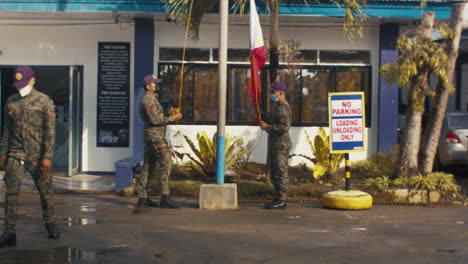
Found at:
<point>408,161</point>
<point>407,165</point>
<point>274,39</point>
<point>431,135</point>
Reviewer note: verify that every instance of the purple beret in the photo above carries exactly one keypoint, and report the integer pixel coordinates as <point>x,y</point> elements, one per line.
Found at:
<point>151,79</point>
<point>23,74</point>
<point>278,86</point>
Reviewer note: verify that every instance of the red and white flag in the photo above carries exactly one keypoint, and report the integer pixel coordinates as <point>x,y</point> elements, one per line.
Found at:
<point>257,57</point>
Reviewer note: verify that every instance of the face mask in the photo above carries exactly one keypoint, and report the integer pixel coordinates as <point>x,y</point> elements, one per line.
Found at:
<point>273,98</point>
<point>25,90</point>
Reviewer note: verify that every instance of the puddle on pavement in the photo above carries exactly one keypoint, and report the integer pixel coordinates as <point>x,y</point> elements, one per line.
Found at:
<point>88,207</point>
<point>46,256</point>
<point>82,220</point>
<point>447,250</point>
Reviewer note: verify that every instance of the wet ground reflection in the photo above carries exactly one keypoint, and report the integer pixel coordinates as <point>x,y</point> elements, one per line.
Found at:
<point>45,256</point>
<point>81,220</point>
<point>88,207</point>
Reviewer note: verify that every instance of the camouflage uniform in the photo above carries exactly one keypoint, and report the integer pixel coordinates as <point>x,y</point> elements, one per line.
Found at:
<point>28,137</point>
<point>279,122</point>
<point>156,149</point>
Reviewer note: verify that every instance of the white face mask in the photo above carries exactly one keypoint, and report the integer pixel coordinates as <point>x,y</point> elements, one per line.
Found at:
<point>25,90</point>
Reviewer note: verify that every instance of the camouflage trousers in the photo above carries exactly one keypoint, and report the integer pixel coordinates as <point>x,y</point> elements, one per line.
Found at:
<point>157,155</point>
<point>279,170</point>
<point>13,178</point>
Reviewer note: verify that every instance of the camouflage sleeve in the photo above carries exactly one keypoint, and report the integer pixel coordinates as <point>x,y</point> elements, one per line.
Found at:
<point>49,130</point>
<point>266,116</point>
<point>6,134</point>
<point>155,113</point>
<point>283,123</point>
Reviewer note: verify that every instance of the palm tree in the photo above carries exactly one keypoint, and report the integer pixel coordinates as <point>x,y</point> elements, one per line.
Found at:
<point>354,17</point>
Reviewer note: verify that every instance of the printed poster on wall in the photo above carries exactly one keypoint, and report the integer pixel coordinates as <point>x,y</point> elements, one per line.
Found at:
<point>113,95</point>
<point>347,122</point>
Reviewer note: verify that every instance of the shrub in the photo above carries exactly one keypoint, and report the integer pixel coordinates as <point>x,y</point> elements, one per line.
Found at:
<point>378,164</point>
<point>402,182</point>
<point>325,163</point>
<point>378,184</point>
<point>205,152</point>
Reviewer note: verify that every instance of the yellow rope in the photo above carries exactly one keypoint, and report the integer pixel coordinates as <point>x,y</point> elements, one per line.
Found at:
<point>183,54</point>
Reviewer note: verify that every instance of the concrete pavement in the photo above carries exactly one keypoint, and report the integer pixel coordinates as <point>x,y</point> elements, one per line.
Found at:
<point>107,229</point>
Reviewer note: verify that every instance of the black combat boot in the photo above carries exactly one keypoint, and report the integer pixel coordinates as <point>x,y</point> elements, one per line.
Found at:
<point>52,230</point>
<point>8,240</point>
<point>166,203</point>
<point>276,204</point>
<point>146,202</point>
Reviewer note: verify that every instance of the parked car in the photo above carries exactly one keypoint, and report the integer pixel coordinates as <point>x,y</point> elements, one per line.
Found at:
<point>452,148</point>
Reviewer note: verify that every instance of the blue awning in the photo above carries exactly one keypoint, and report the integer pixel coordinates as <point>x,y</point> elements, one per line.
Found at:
<point>382,8</point>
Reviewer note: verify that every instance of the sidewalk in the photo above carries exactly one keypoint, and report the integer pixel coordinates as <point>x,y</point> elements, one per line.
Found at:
<point>108,229</point>
<point>77,182</point>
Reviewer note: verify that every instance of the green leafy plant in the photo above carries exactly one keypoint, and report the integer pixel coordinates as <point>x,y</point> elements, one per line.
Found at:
<point>378,184</point>
<point>378,164</point>
<point>421,182</point>
<point>325,163</point>
<point>445,182</point>
<point>402,182</point>
<point>205,152</point>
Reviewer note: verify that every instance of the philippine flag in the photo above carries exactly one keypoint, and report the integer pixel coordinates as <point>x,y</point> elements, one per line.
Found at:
<point>257,57</point>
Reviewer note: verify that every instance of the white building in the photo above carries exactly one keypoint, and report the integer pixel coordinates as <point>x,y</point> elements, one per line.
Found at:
<point>77,49</point>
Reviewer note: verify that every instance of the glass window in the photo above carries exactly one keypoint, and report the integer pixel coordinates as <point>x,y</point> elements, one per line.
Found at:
<point>191,54</point>
<point>355,79</point>
<point>239,55</point>
<point>314,92</point>
<point>458,121</point>
<point>170,89</point>
<point>344,56</point>
<point>308,88</point>
<point>309,56</point>
<point>240,106</point>
<point>292,79</point>
<point>206,93</point>
<point>348,81</point>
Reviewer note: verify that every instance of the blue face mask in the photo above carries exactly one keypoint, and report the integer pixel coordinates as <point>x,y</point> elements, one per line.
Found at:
<point>273,98</point>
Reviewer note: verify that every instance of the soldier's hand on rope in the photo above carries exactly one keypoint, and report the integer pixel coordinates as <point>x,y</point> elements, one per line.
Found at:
<point>3,162</point>
<point>173,111</point>
<point>46,166</point>
<point>263,125</point>
<point>176,117</point>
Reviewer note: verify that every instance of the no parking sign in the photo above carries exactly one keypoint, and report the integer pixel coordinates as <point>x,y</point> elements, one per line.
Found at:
<point>347,122</point>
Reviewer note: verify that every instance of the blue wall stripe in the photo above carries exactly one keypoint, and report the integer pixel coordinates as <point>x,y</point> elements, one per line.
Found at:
<point>144,54</point>
<point>387,135</point>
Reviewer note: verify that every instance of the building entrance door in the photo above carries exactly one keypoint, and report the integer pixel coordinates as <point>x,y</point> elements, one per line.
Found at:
<point>63,84</point>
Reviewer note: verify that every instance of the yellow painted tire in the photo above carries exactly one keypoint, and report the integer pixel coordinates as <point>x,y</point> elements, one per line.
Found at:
<point>348,200</point>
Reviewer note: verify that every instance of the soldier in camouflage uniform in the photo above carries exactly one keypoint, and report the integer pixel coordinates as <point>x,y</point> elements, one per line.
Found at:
<point>27,145</point>
<point>277,124</point>
<point>157,152</point>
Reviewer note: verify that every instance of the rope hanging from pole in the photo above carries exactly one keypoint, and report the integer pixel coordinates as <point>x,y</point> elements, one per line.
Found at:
<point>182,68</point>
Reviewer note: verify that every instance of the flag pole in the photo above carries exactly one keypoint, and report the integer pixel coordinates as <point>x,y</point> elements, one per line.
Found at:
<point>222,71</point>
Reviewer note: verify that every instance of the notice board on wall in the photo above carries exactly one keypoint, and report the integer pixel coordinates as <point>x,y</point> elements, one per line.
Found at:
<point>113,94</point>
